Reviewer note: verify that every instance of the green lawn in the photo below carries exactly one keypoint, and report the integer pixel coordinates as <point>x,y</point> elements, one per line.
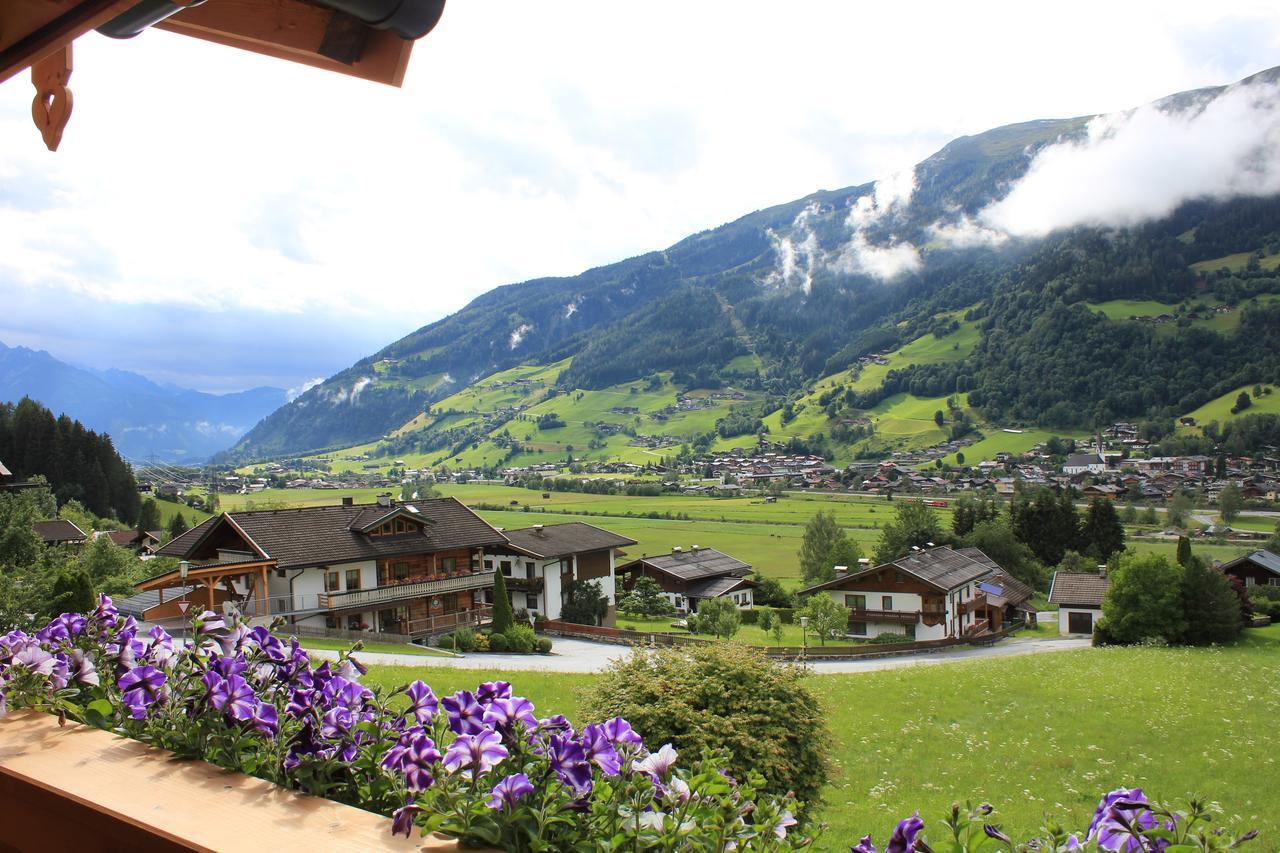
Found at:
<point>752,635</point>
<point>1035,735</point>
<point>999,441</point>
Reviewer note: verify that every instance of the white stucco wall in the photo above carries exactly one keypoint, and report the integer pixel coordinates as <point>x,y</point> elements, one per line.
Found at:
<point>1063,617</point>
<point>551,591</point>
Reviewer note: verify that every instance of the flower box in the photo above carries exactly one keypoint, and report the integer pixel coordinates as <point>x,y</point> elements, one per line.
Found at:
<point>75,787</point>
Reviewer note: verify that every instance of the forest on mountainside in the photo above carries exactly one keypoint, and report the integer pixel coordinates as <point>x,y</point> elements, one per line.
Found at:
<point>78,463</point>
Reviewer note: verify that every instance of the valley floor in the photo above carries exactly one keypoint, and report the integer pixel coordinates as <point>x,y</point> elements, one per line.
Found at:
<point>1035,735</point>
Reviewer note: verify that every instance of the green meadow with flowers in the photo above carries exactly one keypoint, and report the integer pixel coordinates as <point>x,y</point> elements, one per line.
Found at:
<point>1035,735</point>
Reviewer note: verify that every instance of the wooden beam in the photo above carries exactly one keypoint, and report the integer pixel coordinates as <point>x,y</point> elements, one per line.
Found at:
<point>296,31</point>
<point>32,29</point>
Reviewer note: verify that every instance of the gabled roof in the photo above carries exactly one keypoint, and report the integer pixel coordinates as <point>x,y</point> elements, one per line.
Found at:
<point>1076,460</point>
<point>59,530</point>
<point>1262,559</point>
<point>693,565</point>
<point>941,567</point>
<point>127,538</point>
<point>375,516</point>
<point>321,535</point>
<point>1078,589</point>
<point>559,540</point>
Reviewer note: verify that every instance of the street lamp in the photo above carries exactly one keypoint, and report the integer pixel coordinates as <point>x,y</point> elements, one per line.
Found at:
<point>804,639</point>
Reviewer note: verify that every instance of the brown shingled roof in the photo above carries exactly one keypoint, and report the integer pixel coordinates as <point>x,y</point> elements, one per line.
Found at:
<point>59,530</point>
<point>313,536</point>
<point>558,540</point>
<point>1078,589</point>
<point>692,565</point>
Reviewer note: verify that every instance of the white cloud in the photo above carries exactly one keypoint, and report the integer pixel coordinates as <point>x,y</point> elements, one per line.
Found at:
<point>1139,166</point>
<point>242,184</point>
<point>295,392</point>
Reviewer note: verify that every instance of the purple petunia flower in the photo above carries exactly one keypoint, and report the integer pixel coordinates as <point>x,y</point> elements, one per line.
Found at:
<point>600,750</point>
<point>232,696</point>
<point>106,612</point>
<point>416,759</point>
<point>422,702</point>
<point>337,722</point>
<point>503,714</point>
<point>556,723</point>
<point>83,669</point>
<point>141,686</point>
<point>208,622</point>
<point>346,693</point>
<point>569,761</point>
<point>265,719</point>
<point>351,669</point>
<point>477,753</point>
<point>906,836</point>
<point>402,820</point>
<point>510,789</point>
<point>863,846</point>
<point>657,764</point>
<point>466,717</point>
<point>1121,817</point>
<point>491,690</point>
<point>35,659</point>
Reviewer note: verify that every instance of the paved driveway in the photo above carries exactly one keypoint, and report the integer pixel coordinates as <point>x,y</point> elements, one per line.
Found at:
<point>584,656</point>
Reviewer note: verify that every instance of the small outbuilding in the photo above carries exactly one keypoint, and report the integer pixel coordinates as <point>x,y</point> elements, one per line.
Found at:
<point>1079,598</point>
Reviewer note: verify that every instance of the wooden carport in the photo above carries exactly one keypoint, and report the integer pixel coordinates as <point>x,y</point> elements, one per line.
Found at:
<point>252,572</point>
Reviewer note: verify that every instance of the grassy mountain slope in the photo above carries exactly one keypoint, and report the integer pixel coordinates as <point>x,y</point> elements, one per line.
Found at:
<point>783,306</point>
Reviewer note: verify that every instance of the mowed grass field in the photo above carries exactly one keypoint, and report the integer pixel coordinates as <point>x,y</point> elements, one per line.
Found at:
<point>1035,735</point>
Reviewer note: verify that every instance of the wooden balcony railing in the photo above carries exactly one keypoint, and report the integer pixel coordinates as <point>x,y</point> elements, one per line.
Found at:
<point>378,596</point>
<point>904,617</point>
<point>978,602</point>
<point>473,618</point>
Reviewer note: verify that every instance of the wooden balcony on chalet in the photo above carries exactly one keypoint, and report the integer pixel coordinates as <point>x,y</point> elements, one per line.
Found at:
<point>903,617</point>
<point>363,599</point>
<point>978,602</point>
<point>516,584</point>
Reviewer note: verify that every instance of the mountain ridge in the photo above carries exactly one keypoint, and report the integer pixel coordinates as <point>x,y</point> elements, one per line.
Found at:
<point>806,288</point>
<point>143,418</point>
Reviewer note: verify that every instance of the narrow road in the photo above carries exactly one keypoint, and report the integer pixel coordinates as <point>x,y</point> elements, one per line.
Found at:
<point>588,657</point>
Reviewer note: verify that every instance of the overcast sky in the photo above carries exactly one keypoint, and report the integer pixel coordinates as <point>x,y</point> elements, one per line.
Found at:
<point>221,220</point>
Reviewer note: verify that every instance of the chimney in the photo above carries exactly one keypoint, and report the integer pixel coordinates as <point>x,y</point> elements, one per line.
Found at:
<point>348,501</point>
<point>676,549</point>
<point>1102,571</point>
<point>537,530</point>
<point>693,548</point>
<point>384,499</point>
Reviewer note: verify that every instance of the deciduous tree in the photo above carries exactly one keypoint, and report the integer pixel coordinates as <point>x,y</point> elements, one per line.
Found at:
<point>915,525</point>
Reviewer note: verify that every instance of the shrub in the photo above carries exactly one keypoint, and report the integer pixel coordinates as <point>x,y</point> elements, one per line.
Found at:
<point>726,697</point>
<point>482,642</point>
<point>719,616</point>
<point>883,639</point>
<point>786,614</point>
<point>1144,600</point>
<point>499,643</point>
<point>521,639</point>
<point>503,618</point>
<point>544,645</point>
<point>750,616</point>
<point>466,639</point>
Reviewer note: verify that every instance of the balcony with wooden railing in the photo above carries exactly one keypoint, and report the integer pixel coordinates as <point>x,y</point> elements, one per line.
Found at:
<point>363,599</point>
<point>978,602</point>
<point>472,618</point>
<point>903,617</point>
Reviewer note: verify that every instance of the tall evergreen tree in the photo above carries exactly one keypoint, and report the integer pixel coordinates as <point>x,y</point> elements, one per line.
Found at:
<point>1210,606</point>
<point>178,526</point>
<point>72,593</point>
<point>1101,534</point>
<point>149,516</point>
<point>1184,551</point>
<point>1046,522</point>
<point>504,619</point>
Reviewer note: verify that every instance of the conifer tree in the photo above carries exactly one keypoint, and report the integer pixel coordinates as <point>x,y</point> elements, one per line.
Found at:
<point>504,619</point>
<point>1184,551</point>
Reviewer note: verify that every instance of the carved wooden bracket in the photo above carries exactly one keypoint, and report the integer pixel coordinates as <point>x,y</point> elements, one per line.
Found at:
<point>51,107</point>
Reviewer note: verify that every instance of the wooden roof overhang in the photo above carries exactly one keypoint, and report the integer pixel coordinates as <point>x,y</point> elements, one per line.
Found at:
<point>38,34</point>
<point>210,574</point>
